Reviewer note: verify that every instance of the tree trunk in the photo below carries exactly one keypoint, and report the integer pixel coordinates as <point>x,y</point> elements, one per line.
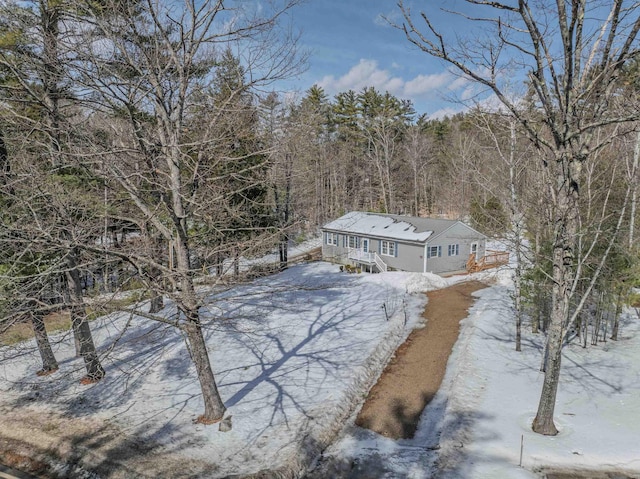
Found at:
<point>188,304</point>
<point>82,332</point>
<point>219,264</point>
<point>616,318</point>
<point>518,329</point>
<point>49,363</point>
<point>283,249</point>
<point>517,229</point>
<point>213,406</point>
<point>157,303</point>
<point>634,190</point>
<point>543,422</point>
<point>563,256</point>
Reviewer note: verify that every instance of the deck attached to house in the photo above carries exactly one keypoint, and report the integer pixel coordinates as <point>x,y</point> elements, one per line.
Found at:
<point>367,258</point>
<point>492,259</point>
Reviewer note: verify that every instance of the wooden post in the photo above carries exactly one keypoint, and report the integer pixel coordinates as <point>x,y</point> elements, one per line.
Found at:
<point>521,448</point>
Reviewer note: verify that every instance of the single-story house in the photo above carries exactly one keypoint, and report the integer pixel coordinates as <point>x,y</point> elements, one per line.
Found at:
<point>381,242</point>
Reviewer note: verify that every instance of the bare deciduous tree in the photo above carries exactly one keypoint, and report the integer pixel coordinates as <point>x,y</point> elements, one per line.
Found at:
<point>572,53</point>
<point>156,70</point>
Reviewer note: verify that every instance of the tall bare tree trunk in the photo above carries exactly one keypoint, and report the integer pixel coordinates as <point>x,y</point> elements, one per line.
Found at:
<point>49,363</point>
<point>188,301</point>
<point>517,218</point>
<point>81,329</point>
<point>634,190</point>
<point>565,194</point>
<point>213,406</point>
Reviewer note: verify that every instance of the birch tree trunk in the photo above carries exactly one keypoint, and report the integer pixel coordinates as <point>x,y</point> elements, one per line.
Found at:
<point>634,191</point>
<point>565,195</point>
<point>517,230</point>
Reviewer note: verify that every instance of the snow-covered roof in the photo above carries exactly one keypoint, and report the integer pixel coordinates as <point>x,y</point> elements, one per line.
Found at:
<point>410,228</point>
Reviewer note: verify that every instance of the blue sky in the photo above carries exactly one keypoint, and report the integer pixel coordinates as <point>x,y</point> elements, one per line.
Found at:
<point>351,46</point>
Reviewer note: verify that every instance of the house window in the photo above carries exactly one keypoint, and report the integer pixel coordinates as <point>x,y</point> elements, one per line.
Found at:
<point>332,239</point>
<point>434,251</point>
<point>388,248</point>
<point>453,250</point>
<point>353,241</point>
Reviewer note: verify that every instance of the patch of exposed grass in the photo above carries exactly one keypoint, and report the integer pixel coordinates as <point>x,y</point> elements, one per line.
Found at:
<point>58,321</point>
<point>114,304</point>
<point>61,321</point>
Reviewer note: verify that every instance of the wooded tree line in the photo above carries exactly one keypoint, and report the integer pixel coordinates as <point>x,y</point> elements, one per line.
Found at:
<point>139,150</point>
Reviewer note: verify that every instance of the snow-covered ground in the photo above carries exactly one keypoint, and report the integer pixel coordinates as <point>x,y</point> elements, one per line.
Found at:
<point>494,394</point>
<point>481,417</point>
<point>293,355</point>
<point>270,259</point>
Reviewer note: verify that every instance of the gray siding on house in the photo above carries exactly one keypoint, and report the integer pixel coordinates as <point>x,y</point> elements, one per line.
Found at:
<point>461,235</point>
<point>409,255</point>
<point>335,254</point>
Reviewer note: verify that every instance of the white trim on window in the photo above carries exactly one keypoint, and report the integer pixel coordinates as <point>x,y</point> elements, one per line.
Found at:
<point>332,239</point>
<point>434,251</point>
<point>388,248</point>
<point>453,250</point>
<point>352,241</point>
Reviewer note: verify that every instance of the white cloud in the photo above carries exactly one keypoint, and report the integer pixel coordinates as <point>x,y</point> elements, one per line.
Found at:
<point>425,83</point>
<point>459,82</point>
<point>440,114</point>
<point>367,73</point>
<point>468,93</point>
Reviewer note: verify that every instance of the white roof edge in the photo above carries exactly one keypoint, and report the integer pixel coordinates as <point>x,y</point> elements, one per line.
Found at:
<point>378,226</point>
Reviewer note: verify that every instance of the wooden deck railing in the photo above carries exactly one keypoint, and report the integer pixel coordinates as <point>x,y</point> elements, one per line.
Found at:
<point>492,259</point>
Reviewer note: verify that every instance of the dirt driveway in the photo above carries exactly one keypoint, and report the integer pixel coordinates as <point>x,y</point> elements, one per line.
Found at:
<point>413,377</point>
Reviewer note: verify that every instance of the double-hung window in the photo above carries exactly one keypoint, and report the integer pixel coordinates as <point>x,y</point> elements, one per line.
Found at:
<point>388,248</point>
<point>353,241</point>
<point>434,251</point>
<point>453,250</point>
<point>332,239</point>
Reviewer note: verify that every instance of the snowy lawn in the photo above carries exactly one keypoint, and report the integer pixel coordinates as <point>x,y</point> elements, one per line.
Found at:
<point>474,426</point>
<point>494,397</point>
<point>293,355</point>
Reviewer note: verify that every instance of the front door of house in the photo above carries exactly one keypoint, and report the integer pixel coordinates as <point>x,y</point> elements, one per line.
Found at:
<point>474,250</point>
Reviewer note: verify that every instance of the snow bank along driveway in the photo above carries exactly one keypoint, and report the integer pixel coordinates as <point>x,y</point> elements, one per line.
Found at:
<point>293,355</point>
